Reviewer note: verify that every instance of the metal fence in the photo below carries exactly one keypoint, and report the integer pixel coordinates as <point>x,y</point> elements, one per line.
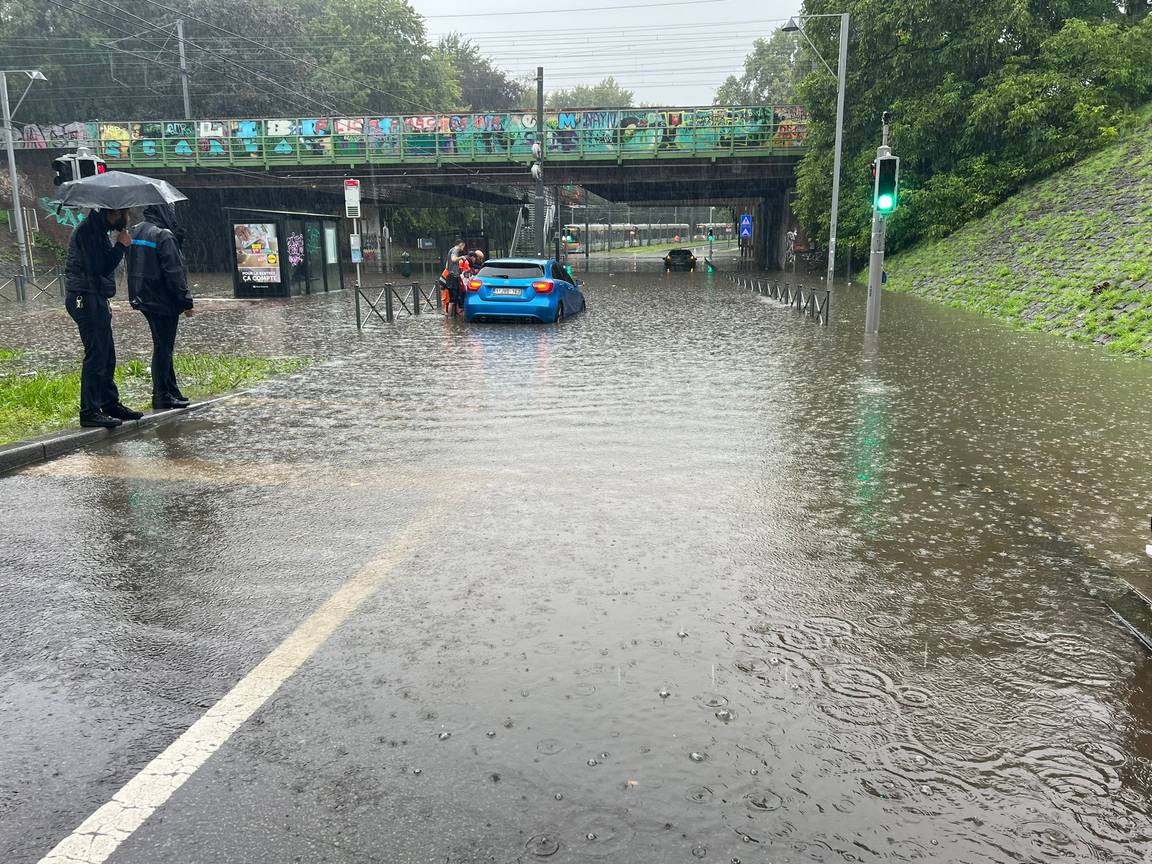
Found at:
<point>383,301</point>
<point>49,283</point>
<point>813,302</point>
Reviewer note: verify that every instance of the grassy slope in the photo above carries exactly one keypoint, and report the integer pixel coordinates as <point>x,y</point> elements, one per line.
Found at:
<point>1039,259</point>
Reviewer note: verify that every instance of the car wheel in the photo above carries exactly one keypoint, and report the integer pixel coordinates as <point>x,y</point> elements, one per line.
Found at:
<point>559,312</point>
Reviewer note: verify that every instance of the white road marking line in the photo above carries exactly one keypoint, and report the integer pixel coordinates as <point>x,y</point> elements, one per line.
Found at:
<point>98,836</point>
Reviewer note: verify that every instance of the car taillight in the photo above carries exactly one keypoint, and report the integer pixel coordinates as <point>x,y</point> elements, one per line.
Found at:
<point>544,286</point>
<point>474,284</point>
<point>101,168</point>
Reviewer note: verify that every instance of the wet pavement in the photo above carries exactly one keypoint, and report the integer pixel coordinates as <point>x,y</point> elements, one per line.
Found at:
<point>686,578</point>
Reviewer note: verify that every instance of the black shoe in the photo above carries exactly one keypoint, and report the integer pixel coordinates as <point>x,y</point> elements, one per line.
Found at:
<point>99,419</point>
<point>168,403</point>
<point>122,412</point>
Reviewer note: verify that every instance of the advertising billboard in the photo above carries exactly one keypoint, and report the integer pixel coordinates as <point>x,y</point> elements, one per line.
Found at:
<point>257,252</point>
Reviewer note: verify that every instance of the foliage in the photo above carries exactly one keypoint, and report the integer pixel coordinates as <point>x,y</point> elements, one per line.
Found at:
<point>33,404</point>
<point>772,74</point>
<point>383,42</point>
<point>607,94</point>
<point>986,97</point>
<point>306,58</point>
<point>483,87</point>
<point>1068,255</point>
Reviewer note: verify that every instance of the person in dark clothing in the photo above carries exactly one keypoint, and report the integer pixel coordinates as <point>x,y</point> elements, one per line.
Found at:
<point>451,277</point>
<point>90,284</point>
<point>158,287</point>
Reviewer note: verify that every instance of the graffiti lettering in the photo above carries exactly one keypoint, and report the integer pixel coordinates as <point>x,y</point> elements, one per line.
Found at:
<point>68,217</point>
<point>428,136</point>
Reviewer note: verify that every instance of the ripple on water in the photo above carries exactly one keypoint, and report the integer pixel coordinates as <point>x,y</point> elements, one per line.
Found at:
<point>603,834</point>
<point>543,845</point>
<point>763,801</point>
<point>857,682</point>
<point>550,746</point>
<point>700,795</point>
<point>712,700</point>
<point>829,626</point>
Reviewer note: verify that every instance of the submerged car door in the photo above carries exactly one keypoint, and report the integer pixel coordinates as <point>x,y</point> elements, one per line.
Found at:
<point>567,289</point>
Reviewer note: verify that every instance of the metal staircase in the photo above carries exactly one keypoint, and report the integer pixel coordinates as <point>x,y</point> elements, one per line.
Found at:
<point>524,236</point>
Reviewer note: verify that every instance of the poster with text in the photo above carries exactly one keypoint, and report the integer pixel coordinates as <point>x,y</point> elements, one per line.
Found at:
<point>257,252</point>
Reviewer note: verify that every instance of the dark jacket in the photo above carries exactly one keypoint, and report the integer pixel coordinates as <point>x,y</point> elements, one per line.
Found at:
<point>92,258</point>
<point>157,277</point>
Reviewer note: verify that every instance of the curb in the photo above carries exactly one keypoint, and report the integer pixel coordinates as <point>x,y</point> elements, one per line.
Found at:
<point>13,456</point>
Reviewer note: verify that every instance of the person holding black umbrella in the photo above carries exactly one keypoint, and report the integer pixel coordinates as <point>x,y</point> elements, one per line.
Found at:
<point>158,287</point>
<point>90,284</point>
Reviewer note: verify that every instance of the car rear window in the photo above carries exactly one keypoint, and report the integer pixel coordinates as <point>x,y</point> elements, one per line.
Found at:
<point>511,270</point>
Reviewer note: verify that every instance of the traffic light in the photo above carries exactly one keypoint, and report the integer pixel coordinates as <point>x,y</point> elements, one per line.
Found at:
<point>62,170</point>
<point>885,195</point>
<point>75,166</point>
<point>90,166</point>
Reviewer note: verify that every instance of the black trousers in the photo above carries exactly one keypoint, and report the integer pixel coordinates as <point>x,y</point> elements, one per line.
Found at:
<point>163,327</point>
<point>93,317</point>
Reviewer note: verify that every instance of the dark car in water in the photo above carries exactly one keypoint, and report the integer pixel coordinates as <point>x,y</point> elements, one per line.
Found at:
<point>680,261</point>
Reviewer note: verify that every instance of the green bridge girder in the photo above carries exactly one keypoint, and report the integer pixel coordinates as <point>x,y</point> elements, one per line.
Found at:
<point>610,135</point>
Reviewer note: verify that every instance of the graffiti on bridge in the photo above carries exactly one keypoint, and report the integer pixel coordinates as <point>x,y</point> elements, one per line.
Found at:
<point>572,134</point>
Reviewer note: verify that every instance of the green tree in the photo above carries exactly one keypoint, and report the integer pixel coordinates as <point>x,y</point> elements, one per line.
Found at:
<point>607,94</point>
<point>377,58</point>
<point>772,74</point>
<point>985,98</point>
<point>483,86</point>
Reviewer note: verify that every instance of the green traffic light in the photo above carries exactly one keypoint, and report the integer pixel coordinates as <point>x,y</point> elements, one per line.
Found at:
<point>885,203</point>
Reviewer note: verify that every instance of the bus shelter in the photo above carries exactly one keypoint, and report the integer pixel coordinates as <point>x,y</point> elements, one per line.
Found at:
<point>281,253</point>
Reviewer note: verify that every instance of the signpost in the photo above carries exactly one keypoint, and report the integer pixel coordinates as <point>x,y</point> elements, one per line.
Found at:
<point>745,227</point>
<point>352,211</point>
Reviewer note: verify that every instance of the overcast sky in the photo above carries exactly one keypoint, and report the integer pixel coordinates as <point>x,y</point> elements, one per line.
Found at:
<point>670,52</point>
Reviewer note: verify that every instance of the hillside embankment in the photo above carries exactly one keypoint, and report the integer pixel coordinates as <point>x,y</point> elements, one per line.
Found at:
<point>1070,255</point>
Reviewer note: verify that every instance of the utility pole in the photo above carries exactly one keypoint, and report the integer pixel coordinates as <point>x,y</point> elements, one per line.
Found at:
<point>876,257</point>
<point>587,228</point>
<point>842,82</point>
<point>17,209</point>
<point>540,200</point>
<point>184,70</point>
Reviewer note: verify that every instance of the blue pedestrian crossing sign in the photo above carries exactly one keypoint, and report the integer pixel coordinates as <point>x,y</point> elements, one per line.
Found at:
<point>746,225</point>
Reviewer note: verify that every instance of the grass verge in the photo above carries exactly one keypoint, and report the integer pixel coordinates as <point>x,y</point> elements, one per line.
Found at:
<point>33,405</point>
<point>1069,255</point>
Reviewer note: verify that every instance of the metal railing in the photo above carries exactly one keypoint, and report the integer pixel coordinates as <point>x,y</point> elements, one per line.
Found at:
<point>609,134</point>
<point>382,301</point>
<point>813,302</point>
<point>49,283</point>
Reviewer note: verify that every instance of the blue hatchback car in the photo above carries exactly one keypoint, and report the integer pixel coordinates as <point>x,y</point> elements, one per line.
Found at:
<point>539,288</point>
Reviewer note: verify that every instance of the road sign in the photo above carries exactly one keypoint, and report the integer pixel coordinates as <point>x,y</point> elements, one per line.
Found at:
<point>352,199</point>
<point>425,243</point>
<point>746,225</point>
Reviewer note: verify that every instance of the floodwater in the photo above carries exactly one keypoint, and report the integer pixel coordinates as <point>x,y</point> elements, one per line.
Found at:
<point>686,578</point>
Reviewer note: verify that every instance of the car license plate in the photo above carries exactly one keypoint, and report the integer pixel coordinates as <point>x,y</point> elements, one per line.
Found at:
<point>507,292</point>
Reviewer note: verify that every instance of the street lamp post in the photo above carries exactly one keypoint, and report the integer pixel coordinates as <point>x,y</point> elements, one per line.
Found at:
<point>10,137</point>
<point>842,76</point>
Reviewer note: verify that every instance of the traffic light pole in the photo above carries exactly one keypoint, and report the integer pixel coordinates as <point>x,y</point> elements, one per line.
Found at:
<point>876,257</point>
<point>17,210</point>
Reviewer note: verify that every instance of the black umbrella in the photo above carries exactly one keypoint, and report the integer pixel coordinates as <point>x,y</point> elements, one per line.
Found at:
<point>118,190</point>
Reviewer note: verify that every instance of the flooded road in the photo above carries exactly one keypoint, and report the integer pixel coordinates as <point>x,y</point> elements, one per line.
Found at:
<point>688,577</point>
